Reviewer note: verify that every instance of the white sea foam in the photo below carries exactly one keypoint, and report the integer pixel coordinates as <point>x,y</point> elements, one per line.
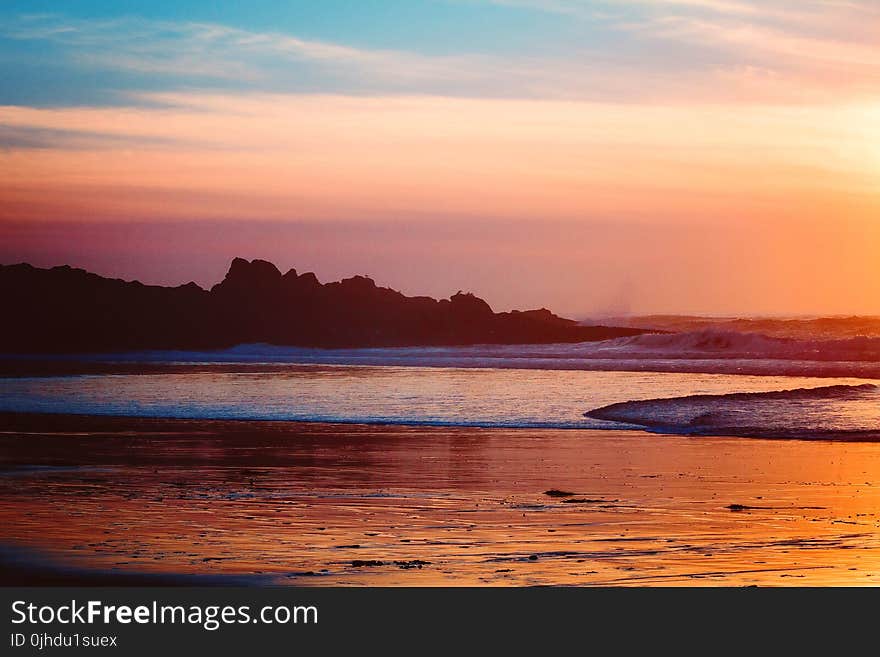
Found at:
<point>837,412</point>
<point>709,351</point>
<point>677,383</point>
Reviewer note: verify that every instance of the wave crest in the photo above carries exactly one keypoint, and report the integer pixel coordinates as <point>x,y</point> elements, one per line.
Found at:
<point>710,351</point>
<point>714,343</point>
<point>848,412</point>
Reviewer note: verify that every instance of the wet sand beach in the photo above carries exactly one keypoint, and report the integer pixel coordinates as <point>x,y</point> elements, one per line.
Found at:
<point>329,504</point>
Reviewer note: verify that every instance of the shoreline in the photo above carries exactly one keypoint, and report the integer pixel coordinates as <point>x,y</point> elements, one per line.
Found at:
<point>37,419</point>
<point>285,503</point>
<point>12,423</point>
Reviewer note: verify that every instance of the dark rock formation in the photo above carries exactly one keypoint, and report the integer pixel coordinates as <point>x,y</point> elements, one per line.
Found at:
<point>70,310</point>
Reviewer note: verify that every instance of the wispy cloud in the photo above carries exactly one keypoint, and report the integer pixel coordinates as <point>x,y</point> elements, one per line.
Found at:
<point>771,50</point>
<point>794,10</point>
<point>335,156</point>
<point>207,53</point>
<point>212,50</point>
<point>663,51</point>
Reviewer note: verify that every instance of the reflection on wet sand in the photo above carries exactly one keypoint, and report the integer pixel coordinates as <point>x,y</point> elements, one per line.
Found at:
<point>317,504</point>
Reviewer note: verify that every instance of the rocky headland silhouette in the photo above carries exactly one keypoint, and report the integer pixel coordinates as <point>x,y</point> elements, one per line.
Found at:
<point>69,310</point>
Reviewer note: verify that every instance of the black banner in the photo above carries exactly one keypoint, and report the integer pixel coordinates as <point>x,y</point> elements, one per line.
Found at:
<point>171,621</point>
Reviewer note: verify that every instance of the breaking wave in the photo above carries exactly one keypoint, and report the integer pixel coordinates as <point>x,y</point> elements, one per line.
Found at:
<point>756,407</point>
<point>713,343</point>
<point>838,412</point>
<point>709,351</point>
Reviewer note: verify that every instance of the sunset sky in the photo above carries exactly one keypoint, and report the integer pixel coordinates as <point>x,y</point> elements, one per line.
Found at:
<point>701,156</point>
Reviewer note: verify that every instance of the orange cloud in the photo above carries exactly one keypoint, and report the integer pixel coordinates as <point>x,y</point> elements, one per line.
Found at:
<point>326,157</point>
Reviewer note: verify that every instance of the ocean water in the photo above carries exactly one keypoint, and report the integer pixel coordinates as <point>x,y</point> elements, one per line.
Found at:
<point>708,351</point>
<point>705,383</point>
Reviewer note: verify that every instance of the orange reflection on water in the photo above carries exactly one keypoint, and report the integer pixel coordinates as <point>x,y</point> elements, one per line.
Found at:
<point>308,504</point>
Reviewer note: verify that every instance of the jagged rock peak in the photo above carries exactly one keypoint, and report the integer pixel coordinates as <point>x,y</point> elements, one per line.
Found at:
<point>254,274</point>
<point>358,283</point>
<point>470,304</point>
<point>254,268</point>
